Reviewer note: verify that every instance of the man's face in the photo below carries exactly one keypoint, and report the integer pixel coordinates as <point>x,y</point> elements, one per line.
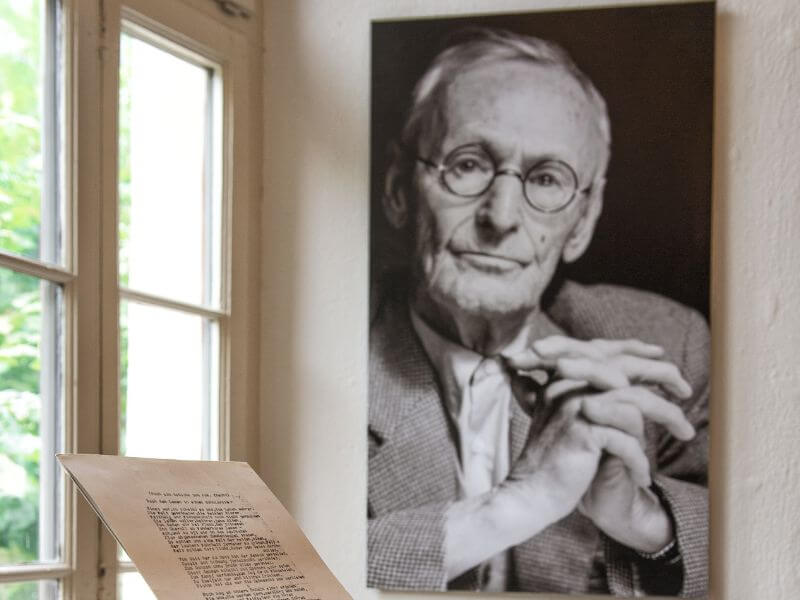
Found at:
<point>494,254</point>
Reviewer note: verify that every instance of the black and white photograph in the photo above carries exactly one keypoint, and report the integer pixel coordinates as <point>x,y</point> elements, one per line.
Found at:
<point>539,301</point>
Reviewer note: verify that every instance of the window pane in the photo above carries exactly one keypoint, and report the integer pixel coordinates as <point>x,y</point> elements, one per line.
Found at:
<point>29,590</point>
<point>133,587</point>
<point>169,391</point>
<point>31,348</point>
<point>169,202</point>
<point>30,220</point>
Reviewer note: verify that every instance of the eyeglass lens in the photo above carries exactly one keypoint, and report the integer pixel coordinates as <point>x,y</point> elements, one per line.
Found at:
<point>548,185</point>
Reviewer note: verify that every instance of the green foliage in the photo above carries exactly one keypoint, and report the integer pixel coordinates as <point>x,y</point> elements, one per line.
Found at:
<point>19,514</point>
<point>20,295</point>
<point>124,182</point>
<point>20,318</point>
<point>20,127</point>
<point>124,175</point>
<point>19,591</point>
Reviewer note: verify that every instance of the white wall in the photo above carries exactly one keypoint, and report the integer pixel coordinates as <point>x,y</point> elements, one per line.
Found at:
<point>314,378</point>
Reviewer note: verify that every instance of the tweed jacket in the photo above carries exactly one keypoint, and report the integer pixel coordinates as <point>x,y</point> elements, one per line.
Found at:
<point>413,457</point>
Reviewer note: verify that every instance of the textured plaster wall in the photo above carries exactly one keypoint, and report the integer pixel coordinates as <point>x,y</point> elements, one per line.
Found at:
<point>314,329</point>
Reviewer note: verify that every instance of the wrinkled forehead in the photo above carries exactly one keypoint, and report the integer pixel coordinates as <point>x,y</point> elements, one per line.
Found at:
<point>493,78</point>
<point>530,108</point>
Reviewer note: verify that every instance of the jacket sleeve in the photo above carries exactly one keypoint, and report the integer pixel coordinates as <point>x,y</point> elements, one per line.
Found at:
<point>406,549</point>
<point>681,480</point>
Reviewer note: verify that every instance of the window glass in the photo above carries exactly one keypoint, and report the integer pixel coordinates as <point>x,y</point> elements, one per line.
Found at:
<point>132,586</point>
<point>169,390</point>
<point>29,590</point>
<point>169,200</point>
<point>30,223</point>
<point>31,351</point>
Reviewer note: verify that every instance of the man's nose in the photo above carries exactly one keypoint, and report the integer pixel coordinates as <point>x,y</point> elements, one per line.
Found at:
<point>500,213</point>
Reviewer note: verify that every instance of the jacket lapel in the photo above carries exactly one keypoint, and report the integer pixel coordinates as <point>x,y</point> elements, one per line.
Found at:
<point>407,418</point>
<point>413,460</point>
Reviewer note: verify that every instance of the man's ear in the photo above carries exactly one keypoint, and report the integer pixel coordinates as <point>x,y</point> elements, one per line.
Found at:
<point>581,234</point>
<point>395,198</point>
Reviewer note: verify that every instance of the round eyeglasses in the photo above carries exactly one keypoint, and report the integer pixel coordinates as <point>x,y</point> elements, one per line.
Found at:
<point>469,171</point>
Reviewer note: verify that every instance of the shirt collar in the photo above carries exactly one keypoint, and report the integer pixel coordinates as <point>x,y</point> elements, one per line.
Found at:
<point>455,363</point>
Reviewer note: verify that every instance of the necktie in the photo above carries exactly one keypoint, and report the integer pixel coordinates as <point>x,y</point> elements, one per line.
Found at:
<point>486,454</point>
<point>485,421</point>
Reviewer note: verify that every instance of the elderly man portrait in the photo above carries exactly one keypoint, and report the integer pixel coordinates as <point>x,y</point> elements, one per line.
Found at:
<point>525,435</point>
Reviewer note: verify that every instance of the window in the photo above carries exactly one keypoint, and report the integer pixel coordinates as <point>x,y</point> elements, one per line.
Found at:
<point>170,230</point>
<point>129,151</point>
<point>33,279</point>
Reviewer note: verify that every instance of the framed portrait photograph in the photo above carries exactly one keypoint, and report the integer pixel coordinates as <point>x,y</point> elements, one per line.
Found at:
<point>539,316</point>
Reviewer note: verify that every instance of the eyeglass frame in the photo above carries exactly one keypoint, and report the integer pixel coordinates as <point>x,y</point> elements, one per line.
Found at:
<point>441,169</point>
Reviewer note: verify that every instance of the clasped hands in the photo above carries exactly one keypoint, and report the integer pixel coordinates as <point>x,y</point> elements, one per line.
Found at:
<point>585,451</point>
<point>586,448</point>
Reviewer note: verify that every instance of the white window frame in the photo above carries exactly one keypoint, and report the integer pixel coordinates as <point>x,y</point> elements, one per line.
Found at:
<point>91,33</point>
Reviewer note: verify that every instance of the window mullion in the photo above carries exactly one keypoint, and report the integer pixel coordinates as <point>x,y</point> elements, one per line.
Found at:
<point>85,46</point>
<point>152,299</point>
<point>210,394</point>
<point>109,271</point>
<point>51,385</point>
<point>36,268</point>
<point>33,572</point>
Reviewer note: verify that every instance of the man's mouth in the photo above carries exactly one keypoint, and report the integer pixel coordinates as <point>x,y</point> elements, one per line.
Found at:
<point>487,261</point>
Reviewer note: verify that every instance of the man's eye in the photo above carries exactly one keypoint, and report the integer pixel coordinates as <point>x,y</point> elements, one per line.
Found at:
<point>544,179</point>
<point>467,165</point>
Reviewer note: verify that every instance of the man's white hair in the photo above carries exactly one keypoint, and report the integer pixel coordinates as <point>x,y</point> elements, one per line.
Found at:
<point>476,47</point>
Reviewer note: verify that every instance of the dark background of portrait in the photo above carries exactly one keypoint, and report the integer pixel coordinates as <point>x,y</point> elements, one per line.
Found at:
<point>654,67</point>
